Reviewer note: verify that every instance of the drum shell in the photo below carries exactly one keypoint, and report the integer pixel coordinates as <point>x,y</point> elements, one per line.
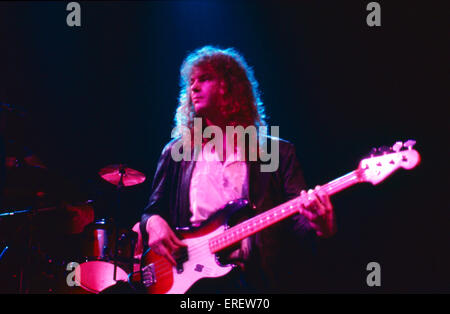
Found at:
<point>99,241</point>
<point>108,256</point>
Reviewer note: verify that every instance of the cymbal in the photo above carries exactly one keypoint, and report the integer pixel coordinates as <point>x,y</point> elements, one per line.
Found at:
<point>121,175</point>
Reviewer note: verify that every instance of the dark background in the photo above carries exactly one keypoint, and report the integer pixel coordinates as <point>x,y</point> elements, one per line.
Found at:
<point>105,93</point>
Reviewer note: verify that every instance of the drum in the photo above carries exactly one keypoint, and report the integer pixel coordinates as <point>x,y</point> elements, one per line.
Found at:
<point>108,256</point>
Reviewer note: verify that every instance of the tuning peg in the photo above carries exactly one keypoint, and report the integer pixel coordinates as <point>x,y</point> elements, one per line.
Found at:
<point>373,152</point>
<point>397,146</point>
<point>384,149</point>
<point>409,144</point>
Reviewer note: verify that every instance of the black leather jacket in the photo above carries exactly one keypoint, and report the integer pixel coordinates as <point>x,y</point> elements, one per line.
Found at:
<point>170,199</point>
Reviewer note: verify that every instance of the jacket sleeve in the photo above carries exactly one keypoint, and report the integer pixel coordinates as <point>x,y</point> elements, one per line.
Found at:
<point>158,202</point>
<point>293,184</point>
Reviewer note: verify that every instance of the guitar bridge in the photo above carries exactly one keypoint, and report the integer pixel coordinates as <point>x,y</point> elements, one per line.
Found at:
<point>148,275</point>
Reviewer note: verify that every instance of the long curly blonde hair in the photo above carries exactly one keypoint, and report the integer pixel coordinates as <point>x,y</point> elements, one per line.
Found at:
<point>244,107</point>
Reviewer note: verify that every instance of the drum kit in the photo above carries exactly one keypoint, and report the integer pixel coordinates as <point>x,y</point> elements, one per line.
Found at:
<point>110,252</point>
<point>45,225</point>
<point>105,253</point>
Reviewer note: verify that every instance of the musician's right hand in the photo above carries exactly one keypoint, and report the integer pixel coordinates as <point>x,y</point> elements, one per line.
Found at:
<point>161,239</point>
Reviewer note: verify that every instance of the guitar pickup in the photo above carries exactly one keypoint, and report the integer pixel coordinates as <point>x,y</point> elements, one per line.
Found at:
<point>148,275</point>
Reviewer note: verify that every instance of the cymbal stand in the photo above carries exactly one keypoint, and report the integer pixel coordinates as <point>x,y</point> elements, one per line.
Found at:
<point>119,190</point>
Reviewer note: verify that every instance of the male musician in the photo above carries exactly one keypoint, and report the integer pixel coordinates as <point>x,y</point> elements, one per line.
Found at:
<point>219,89</point>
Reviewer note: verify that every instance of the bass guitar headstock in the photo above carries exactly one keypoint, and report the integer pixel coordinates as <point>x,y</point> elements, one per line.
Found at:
<point>386,160</point>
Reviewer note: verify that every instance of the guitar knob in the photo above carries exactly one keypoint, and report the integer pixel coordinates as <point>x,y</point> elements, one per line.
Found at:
<point>397,146</point>
<point>409,144</point>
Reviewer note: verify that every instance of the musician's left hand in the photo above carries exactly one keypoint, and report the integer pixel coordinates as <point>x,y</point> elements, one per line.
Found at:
<point>318,210</point>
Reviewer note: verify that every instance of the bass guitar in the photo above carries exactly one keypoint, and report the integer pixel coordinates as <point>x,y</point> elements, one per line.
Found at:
<point>200,258</point>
